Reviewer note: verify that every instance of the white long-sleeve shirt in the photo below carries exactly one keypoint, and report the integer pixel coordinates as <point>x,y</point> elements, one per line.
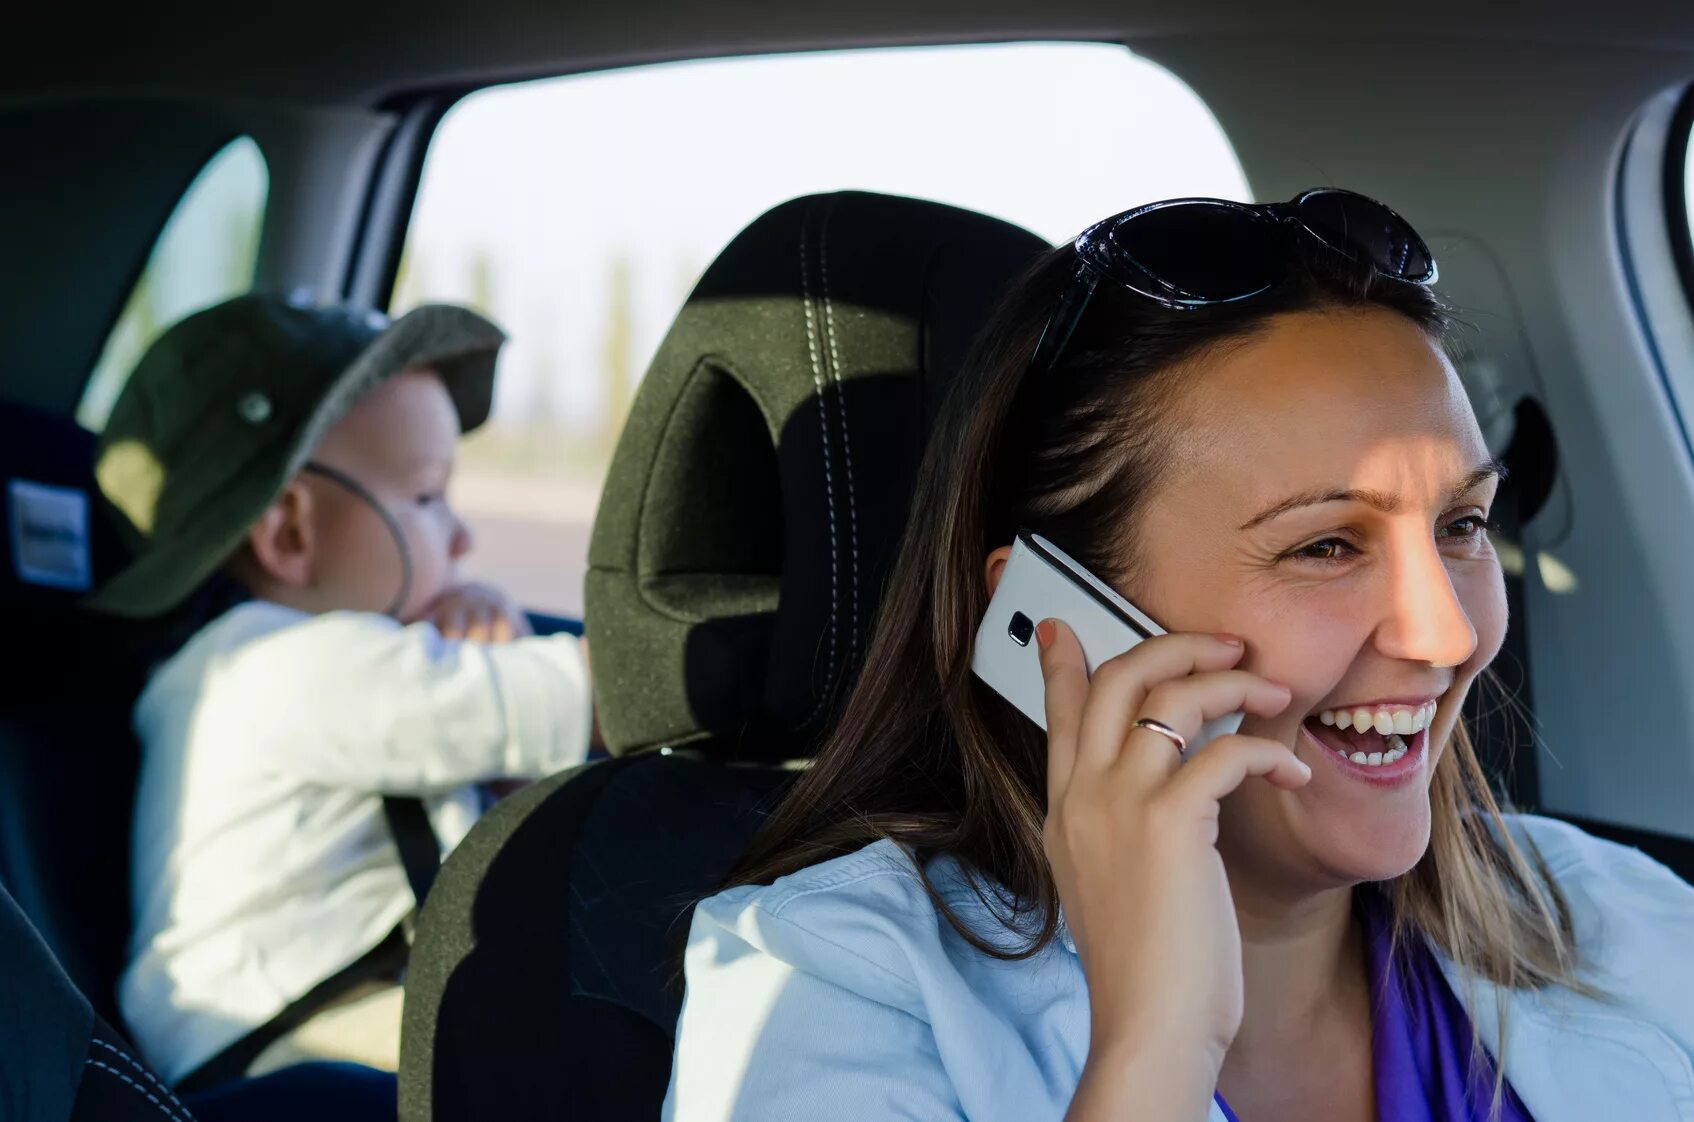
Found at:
<point>262,863</point>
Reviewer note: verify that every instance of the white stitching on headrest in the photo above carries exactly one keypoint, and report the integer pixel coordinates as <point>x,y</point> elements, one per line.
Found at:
<point>846,427</point>
<point>828,473</point>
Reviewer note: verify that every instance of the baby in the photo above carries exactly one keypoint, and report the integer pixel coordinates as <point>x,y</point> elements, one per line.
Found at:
<point>301,456</point>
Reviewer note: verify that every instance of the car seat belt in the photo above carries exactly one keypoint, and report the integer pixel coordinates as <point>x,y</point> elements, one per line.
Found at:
<point>385,962</point>
<point>414,837</point>
<point>420,856</point>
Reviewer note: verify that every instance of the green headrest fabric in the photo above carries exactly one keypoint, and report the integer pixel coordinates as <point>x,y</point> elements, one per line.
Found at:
<point>761,484</point>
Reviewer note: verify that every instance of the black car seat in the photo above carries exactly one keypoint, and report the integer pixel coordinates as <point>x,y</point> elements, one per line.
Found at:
<point>67,756</point>
<point>59,1060</point>
<point>749,518</point>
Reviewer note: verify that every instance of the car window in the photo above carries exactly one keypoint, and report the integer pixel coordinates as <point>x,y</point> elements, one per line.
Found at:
<point>579,211</point>
<point>1688,180</point>
<point>206,252</point>
<point>1688,188</point>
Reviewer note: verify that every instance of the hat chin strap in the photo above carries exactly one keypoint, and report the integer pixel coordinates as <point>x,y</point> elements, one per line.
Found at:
<point>359,491</point>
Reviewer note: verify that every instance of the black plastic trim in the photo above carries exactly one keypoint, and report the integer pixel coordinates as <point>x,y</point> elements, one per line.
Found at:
<point>392,193</point>
<point>1677,216</point>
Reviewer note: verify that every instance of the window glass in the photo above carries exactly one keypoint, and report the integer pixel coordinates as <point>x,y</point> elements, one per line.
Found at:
<point>205,253</point>
<point>579,211</point>
<point>1688,183</point>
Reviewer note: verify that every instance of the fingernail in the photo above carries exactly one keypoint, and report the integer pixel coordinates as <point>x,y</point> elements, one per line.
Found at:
<point>1044,633</point>
<point>1232,640</point>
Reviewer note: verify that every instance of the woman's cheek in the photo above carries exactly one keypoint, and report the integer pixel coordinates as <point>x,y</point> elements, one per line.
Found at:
<point>1309,651</point>
<point>1481,589</point>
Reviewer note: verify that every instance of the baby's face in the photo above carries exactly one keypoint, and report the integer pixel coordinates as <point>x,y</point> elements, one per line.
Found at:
<point>399,443</point>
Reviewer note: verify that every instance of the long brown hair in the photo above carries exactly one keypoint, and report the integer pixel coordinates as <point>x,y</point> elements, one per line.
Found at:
<point>925,755</point>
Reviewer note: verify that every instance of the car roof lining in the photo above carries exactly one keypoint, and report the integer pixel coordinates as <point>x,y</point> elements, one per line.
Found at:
<point>334,54</point>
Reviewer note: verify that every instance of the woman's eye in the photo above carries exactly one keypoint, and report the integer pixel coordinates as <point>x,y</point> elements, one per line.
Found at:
<point>1329,549</point>
<point>430,499</point>
<point>1470,526</point>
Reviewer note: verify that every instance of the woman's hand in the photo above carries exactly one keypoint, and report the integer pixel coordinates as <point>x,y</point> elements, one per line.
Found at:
<point>477,613</point>
<point>1131,835</point>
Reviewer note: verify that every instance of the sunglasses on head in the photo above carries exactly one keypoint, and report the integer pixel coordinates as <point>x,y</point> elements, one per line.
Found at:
<point>1195,253</point>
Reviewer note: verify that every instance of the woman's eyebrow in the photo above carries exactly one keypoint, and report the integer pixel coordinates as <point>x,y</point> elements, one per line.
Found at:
<point>1381,500</point>
<point>1493,469</point>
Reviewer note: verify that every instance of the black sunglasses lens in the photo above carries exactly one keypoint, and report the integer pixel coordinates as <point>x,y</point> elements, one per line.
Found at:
<point>1196,252</point>
<point>1365,228</point>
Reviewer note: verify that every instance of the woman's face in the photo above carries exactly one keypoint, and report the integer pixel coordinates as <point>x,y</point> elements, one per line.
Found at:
<point>1328,506</point>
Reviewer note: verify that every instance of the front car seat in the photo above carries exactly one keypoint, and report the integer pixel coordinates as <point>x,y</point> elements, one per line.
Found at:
<point>749,519</point>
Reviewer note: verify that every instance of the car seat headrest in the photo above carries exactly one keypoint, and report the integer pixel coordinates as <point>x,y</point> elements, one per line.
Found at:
<point>57,542</point>
<point>761,483</point>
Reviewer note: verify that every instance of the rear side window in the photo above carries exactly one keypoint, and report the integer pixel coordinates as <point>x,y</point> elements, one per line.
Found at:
<point>1685,117</point>
<point>1688,179</point>
<point>579,211</point>
<point>206,253</point>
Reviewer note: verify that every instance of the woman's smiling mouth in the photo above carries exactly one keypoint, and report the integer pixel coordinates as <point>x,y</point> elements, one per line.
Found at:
<point>1383,742</point>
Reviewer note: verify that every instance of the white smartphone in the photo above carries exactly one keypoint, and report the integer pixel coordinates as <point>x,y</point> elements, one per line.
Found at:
<point>1041,582</point>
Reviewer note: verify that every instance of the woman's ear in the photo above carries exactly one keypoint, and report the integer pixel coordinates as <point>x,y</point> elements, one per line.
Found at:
<point>282,539</point>
<point>996,565</point>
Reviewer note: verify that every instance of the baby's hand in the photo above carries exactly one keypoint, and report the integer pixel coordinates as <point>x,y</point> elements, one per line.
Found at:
<point>477,613</point>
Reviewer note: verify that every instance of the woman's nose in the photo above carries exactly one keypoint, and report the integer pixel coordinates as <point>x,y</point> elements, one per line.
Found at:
<point>1426,621</point>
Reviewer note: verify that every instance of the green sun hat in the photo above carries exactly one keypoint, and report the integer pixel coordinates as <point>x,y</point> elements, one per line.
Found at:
<point>225,408</point>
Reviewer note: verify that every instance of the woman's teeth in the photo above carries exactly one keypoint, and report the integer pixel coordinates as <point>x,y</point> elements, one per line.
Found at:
<point>1391,722</point>
<point>1384,720</point>
<point>1396,749</point>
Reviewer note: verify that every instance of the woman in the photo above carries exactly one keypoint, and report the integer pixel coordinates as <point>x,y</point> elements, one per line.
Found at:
<point>1244,419</point>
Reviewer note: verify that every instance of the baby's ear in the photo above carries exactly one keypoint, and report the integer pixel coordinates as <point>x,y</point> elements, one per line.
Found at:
<point>281,540</point>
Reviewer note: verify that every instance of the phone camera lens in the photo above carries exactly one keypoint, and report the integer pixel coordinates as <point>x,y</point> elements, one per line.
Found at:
<point>1020,629</point>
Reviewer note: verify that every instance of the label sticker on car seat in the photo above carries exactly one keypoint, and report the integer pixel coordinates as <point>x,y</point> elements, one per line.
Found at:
<point>49,527</point>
